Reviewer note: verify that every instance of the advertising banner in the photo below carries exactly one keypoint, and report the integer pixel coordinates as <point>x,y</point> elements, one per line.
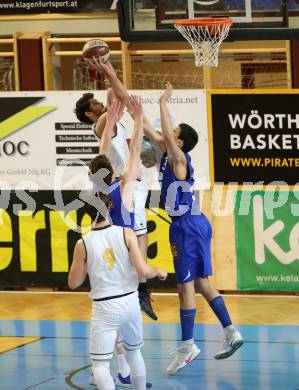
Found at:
<point>267,240</point>
<point>43,152</point>
<point>37,241</point>
<point>255,137</point>
<point>15,7</point>
<point>42,143</point>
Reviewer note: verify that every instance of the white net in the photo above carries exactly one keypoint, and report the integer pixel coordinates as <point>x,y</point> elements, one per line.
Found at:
<point>84,79</point>
<point>6,74</point>
<point>205,39</point>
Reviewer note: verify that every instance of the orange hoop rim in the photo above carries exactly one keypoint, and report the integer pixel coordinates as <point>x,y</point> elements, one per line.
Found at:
<point>204,22</point>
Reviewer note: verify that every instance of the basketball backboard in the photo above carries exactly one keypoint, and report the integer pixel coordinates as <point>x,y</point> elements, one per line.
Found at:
<point>152,20</point>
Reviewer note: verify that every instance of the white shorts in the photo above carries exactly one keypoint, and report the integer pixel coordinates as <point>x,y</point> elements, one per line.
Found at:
<point>139,197</point>
<point>108,317</point>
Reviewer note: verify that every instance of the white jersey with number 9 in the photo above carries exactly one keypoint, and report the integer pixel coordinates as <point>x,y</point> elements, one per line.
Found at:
<point>109,266</point>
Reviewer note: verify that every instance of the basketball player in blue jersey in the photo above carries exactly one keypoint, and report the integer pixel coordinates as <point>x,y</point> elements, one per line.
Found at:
<point>90,111</point>
<point>189,235</point>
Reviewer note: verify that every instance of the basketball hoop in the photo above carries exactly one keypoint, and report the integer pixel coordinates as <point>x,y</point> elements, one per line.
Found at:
<point>205,36</point>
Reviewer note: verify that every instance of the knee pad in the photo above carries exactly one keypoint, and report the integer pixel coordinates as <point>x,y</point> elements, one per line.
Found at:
<point>101,372</point>
<point>105,364</point>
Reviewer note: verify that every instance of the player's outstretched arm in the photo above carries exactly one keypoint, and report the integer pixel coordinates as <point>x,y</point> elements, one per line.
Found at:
<point>176,155</point>
<point>144,270</point>
<point>110,97</point>
<point>113,115</point>
<point>167,131</point>
<point>153,135</point>
<point>132,170</point>
<point>78,269</point>
<point>150,132</point>
<point>118,88</point>
<point>101,123</point>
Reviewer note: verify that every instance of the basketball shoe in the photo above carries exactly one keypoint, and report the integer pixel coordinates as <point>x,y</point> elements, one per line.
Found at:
<point>185,355</point>
<point>145,302</point>
<point>232,341</point>
<point>120,381</point>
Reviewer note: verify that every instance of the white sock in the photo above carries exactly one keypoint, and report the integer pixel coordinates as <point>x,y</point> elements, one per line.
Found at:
<point>102,376</point>
<point>123,366</point>
<point>138,370</point>
<point>187,343</point>
<point>139,382</point>
<point>229,330</point>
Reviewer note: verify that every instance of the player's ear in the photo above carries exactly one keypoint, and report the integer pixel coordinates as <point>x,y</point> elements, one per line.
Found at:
<point>90,115</point>
<point>180,143</point>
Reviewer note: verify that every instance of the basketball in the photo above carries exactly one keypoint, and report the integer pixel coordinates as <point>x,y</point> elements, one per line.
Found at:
<point>150,153</point>
<point>96,48</point>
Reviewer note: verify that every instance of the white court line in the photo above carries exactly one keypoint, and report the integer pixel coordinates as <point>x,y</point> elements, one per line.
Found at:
<point>44,292</point>
<point>154,294</point>
<point>238,295</point>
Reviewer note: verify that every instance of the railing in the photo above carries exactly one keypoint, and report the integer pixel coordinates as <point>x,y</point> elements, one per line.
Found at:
<point>127,52</point>
<point>12,53</point>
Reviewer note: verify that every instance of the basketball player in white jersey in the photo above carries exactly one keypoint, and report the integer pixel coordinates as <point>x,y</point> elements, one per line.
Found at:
<point>90,111</point>
<point>111,257</point>
<point>120,192</point>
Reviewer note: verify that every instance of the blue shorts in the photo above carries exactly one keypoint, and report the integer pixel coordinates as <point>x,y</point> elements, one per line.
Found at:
<point>190,241</point>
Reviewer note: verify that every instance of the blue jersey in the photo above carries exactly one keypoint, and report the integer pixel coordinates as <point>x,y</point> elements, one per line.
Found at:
<point>190,232</point>
<point>119,215</point>
<point>177,195</point>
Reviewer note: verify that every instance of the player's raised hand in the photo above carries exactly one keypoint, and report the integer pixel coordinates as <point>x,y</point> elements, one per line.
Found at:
<point>93,63</point>
<point>136,108</point>
<point>114,112</point>
<point>162,275</point>
<point>96,64</point>
<point>167,92</point>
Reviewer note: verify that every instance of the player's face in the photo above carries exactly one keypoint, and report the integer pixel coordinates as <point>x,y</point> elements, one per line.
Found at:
<point>97,107</point>
<point>176,133</point>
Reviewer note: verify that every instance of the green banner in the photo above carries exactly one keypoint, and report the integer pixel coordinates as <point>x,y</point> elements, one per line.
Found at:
<point>267,240</point>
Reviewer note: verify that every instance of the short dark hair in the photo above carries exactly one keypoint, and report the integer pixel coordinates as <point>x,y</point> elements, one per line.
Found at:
<point>189,136</point>
<point>82,106</point>
<point>99,162</point>
<point>96,205</point>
